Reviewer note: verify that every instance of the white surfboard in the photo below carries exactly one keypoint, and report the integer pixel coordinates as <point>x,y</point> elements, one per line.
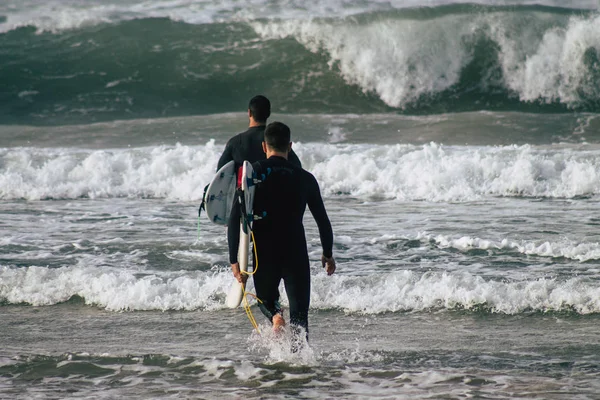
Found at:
<point>220,193</point>
<point>236,291</point>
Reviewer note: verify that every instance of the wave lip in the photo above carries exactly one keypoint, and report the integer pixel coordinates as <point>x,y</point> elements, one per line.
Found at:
<point>539,55</point>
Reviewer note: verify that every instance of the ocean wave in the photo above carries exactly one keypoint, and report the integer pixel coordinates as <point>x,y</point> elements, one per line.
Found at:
<point>562,249</point>
<point>136,63</point>
<point>411,291</point>
<point>536,55</point>
<point>431,172</point>
<point>568,249</point>
<point>112,288</point>
<point>437,173</point>
<point>179,172</point>
<point>397,291</point>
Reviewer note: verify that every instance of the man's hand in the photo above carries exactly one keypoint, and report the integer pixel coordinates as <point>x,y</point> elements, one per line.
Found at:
<point>237,274</point>
<point>329,264</point>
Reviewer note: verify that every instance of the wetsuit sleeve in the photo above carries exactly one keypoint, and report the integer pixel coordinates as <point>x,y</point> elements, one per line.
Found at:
<point>226,156</point>
<point>293,158</point>
<point>233,230</point>
<point>317,208</point>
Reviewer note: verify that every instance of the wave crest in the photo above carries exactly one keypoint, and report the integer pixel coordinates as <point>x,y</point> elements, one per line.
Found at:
<point>392,292</point>
<point>405,172</point>
<point>409,63</point>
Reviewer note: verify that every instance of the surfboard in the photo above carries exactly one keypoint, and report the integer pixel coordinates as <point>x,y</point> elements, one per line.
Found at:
<point>236,291</point>
<point>220,193</point>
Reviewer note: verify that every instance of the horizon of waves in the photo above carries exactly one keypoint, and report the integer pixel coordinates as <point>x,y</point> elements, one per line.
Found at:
<point>429,60</point>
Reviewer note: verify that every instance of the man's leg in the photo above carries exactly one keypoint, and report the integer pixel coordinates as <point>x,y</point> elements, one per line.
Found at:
<point>266,283</point>
<point>297,287</point>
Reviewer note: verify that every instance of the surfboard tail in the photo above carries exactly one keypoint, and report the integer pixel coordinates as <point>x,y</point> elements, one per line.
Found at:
<point>236,291</point>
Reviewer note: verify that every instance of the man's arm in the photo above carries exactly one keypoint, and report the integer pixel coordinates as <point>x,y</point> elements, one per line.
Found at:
<point>293,158</point>
<point>226,156</point>
<point>317,208</point>
<point>233,230</point>
<point>233,239</point>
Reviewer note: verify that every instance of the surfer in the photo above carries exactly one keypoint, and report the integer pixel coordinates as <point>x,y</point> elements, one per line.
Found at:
<point>248,145</point>
<point>279,236</point>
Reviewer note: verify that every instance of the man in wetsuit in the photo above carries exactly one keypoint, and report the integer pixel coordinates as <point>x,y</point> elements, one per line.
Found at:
<point>248,145</point>
<point>279,236</point>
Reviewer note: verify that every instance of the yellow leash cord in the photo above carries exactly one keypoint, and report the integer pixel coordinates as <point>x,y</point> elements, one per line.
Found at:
<point>246,294</point>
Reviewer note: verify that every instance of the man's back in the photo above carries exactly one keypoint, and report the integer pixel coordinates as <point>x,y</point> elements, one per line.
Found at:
<point>247,146</point>
<point>284,195</point>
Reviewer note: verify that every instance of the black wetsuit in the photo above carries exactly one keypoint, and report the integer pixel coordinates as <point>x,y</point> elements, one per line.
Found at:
<point>248,146</point>
<point>279,237</point>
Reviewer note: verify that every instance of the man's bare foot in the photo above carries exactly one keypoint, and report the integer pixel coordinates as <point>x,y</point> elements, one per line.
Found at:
<point>278,323</point>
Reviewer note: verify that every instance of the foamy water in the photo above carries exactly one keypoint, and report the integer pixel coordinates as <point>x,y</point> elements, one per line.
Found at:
<point>120,290</point>
<point>431,172</point>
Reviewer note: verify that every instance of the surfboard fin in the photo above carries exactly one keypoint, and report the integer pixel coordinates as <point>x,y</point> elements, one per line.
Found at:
<point>203,202</point>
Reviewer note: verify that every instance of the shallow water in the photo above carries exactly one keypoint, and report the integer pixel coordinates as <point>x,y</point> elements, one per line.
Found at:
<point>484,299</point>
<point>84,352</point>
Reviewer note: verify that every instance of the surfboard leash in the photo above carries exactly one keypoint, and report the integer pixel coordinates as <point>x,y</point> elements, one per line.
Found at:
<point>249,310</point>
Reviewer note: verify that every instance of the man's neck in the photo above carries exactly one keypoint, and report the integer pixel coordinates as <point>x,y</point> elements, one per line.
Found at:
<point>254,124</point>
<point>277,154</point>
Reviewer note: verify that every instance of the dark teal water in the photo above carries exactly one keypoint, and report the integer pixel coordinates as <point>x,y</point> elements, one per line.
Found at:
<point>416,61</point>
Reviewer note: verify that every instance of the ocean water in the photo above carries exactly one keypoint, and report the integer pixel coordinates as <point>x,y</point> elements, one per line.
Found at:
<point>457,146</point>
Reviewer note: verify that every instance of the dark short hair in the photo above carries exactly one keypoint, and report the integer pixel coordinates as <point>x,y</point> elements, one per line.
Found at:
<point>278,136</point>
<point>260,108</point>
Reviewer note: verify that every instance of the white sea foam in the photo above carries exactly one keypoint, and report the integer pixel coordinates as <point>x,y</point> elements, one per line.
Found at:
<point>567,249</point>
<point>179,172</point>
<point>402,290</point>
<point>114,289</point>
<point>416,291</point>
<point>431,172</point>
<point>551,68</point>
<point>375,246</point>
<point>55,15</point>
<point>437,173</point>
<point>385,57</point>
